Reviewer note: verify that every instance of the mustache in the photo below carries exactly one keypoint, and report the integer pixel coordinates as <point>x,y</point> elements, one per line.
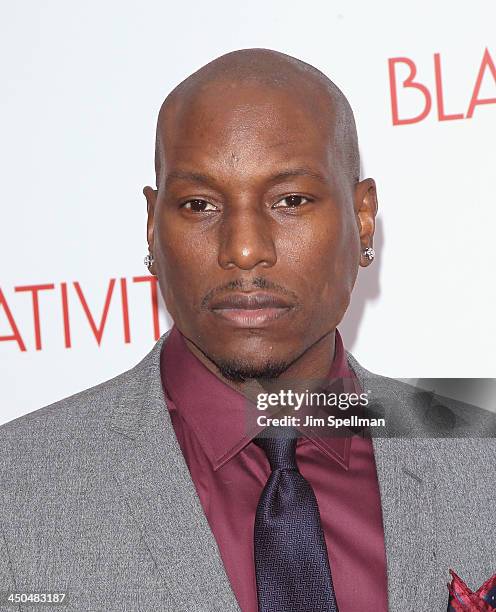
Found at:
<point>240,284</point>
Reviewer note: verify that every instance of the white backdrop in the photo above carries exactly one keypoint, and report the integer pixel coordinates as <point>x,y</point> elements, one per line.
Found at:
<point>81,86</point>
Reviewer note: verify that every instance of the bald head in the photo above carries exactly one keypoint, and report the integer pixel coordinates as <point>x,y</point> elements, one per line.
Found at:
<point>267,70</point>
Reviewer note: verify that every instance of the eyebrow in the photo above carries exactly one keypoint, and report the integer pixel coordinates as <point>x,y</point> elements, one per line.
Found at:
<point>207,179</point>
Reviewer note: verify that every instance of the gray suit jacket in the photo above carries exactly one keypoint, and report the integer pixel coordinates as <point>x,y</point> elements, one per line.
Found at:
<point>96,501</point>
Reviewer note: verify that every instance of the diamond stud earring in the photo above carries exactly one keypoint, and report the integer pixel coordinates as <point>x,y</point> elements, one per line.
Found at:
<point>148,260</point>
<point>369,253</point>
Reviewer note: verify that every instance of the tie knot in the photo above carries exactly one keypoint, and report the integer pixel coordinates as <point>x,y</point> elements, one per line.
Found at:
<point>280,447</point>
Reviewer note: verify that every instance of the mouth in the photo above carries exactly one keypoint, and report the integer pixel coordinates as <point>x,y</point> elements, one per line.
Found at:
<point>256,309</point>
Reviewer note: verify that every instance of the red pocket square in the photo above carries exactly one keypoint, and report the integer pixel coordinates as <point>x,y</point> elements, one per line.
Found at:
<point>462,598</point>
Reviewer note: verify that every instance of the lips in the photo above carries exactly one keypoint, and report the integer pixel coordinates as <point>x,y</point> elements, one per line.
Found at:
<point>255,309</point>
<point>249,301</point>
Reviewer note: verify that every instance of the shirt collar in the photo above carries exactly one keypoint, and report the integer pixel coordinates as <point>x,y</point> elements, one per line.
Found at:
<point>217,413</point>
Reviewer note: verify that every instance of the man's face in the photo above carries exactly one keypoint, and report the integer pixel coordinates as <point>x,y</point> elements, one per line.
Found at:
<point>255,228</point>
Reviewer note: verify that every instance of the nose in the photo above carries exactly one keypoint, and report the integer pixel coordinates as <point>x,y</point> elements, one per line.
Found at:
<point>246,240</point>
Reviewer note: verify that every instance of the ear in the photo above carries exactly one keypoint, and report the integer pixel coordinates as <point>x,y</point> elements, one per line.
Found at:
<point>151,199</point>
<point>366,211</point>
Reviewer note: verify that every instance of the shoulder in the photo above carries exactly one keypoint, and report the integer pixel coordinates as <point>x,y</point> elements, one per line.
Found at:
<point>412,411</point>
<point>73,423</point>
<point>67,414</point>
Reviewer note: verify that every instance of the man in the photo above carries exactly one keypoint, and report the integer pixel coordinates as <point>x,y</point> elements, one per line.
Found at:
<point>154,491</point>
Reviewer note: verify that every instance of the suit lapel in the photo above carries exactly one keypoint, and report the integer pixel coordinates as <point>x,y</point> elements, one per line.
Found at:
<point>404,472</point>
<point>433,474</point>
<point>407,478</point>
<point>149,469</point>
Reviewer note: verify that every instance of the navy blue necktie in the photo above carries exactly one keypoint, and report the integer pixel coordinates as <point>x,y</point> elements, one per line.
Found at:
<point>291,563</point>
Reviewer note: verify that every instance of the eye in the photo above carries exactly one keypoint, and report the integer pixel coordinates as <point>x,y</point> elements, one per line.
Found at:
<point>199,206</point>
<point>291,201</point>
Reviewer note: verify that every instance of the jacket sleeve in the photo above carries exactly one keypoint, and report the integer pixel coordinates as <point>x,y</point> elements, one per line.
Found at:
<point>7,583</point>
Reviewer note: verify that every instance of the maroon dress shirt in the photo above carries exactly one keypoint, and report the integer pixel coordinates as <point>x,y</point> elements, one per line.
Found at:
<point>229,472</point>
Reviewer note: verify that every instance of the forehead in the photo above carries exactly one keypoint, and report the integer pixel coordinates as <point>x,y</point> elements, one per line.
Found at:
<point>251,126</point>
